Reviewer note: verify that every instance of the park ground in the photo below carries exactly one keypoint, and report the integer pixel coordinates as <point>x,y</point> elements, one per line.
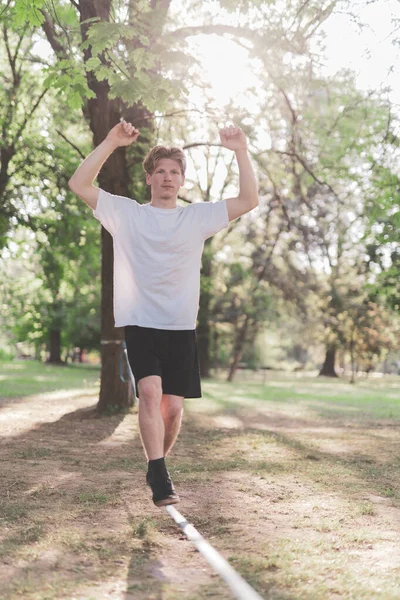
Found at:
<point>293,479</point>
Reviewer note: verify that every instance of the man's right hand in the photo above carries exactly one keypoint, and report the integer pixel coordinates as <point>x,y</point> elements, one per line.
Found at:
<point>123,134</point>
<point>81,182</point>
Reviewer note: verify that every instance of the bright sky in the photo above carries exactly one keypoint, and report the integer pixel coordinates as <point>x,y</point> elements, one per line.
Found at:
<point>369,52</point>
<point>226,66</point>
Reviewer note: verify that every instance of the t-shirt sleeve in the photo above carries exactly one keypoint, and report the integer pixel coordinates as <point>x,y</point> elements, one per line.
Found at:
<point>212,217</point>
<point>112,210</point>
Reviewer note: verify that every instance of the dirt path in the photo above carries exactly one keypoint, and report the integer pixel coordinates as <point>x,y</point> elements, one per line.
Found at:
<point>304,506</point>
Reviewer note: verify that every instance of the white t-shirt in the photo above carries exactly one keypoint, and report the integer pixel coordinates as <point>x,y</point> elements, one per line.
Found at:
<point>157,258</point>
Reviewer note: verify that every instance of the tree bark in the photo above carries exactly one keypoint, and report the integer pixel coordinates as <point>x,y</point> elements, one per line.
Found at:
<point>328,368</point>
<point>203,327</point>
<point>102,114</point>
<point>352,358</point>
<point>240,338</point>
<point>55,347</point>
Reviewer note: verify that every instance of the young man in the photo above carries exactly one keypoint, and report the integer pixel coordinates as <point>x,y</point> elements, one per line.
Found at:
<point>157,259</point>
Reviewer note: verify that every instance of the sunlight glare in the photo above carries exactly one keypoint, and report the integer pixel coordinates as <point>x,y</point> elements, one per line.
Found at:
<point>226,67</point>
<point>369,52</point>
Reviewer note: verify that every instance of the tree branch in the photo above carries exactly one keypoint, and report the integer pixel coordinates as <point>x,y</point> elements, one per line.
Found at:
<point>28,116</point>
<point>250,34</point>
<point>51,35</point>
<point>309,171</point>
<point>195,144</point>
<point>71,144</point>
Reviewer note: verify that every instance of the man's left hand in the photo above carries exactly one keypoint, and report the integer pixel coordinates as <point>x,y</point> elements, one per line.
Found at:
<point>233,138</point>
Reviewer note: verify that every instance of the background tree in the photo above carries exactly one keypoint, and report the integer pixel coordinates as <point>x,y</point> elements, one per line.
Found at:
<point>311,137</point>
<point>383,233</point>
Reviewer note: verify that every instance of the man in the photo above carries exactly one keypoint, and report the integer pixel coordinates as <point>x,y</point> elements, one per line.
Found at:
<point>157,260</point>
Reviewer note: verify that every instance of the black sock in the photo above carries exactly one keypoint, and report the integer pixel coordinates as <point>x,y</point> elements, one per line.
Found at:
<point>157,464</point>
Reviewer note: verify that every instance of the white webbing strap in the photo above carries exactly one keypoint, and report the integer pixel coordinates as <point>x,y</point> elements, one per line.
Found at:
<point>239,587</point>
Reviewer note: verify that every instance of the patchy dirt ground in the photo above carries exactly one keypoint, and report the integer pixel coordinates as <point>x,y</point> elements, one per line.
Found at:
<point>303,501</point>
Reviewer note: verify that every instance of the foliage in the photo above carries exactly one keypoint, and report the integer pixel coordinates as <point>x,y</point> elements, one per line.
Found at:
<point>383,233</point>
<point>372,333</point>
<point>126,54</point>
<point>45,289</point>
<point>306,246</point>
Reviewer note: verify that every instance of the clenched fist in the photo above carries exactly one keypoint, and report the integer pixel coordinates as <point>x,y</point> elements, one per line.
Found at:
<point>233,138</point>
<point>123,134</point>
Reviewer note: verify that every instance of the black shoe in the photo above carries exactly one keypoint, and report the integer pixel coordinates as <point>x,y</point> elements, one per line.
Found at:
<point>162,487</point>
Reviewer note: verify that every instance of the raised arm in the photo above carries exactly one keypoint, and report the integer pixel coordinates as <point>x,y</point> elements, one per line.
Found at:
<point>81,182</point>
<point>234,139</point>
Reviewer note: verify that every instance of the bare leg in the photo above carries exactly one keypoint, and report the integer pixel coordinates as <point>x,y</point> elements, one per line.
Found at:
<point>171,411</point>
<point>151,423</point>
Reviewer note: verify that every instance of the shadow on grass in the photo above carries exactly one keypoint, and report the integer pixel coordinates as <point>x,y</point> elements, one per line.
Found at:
<point>54,484</point>
<point>145,577</point>
<point>374,475</point>
<point>51,461</point>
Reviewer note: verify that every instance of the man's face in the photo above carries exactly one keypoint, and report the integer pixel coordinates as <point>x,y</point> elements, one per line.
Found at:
<point>166,179</point>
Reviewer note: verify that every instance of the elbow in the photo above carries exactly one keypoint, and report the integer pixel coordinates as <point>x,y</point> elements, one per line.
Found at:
<point>72,185</point>
<point>255,197</point>
<point>249,203</point>
<point>251,199</point>
<point>254,202</point>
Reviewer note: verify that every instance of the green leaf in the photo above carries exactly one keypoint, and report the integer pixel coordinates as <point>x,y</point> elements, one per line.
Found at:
<point>49,80</point>
<point>103,72</point>
<point>75,100</point>
<point>29,11</point>
<point>141,58</point>
<point>103,35</point>
<point>143,39</point>
<point>69,16</point>
<point>92,63</point>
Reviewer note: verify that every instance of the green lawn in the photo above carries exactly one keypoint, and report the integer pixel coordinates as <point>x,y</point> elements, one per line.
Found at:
<point>25,378</point>
<point>377,397</point>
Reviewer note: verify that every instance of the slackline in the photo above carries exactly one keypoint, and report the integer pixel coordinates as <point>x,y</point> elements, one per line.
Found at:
<point>239,587</point>
<point>124,351</point>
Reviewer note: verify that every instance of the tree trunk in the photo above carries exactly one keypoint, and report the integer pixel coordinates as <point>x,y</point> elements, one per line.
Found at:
<point>203,327</point>
<point>240,339</point>
<point>113,391</point>
<point>328,368</point>
<point>55,347</point>
<point>352,359</point>
<point>216,350</point>
<point>103,114</point>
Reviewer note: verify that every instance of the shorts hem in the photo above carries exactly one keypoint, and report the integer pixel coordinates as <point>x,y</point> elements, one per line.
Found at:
<point>196,395</point>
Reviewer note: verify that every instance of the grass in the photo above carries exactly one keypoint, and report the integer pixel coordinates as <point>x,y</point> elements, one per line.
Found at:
<point>371,398</point>
<point>24,378</point>
<point>145,528</point>
<point>92,498</point>
<point>30,453</point>
<point>294,481</point>
<point>12,511</point>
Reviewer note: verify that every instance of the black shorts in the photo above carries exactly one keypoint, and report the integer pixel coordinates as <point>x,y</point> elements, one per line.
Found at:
<point>171,354</point>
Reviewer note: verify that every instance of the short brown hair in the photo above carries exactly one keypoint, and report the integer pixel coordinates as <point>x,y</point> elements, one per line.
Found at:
<point>158,152</point>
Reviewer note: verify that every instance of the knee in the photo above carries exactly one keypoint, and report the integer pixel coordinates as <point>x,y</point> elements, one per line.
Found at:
<point>149,392</point>
<point>173,411</point>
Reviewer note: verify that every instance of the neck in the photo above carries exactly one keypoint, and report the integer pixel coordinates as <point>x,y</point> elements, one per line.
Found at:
<point>163,202</point>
